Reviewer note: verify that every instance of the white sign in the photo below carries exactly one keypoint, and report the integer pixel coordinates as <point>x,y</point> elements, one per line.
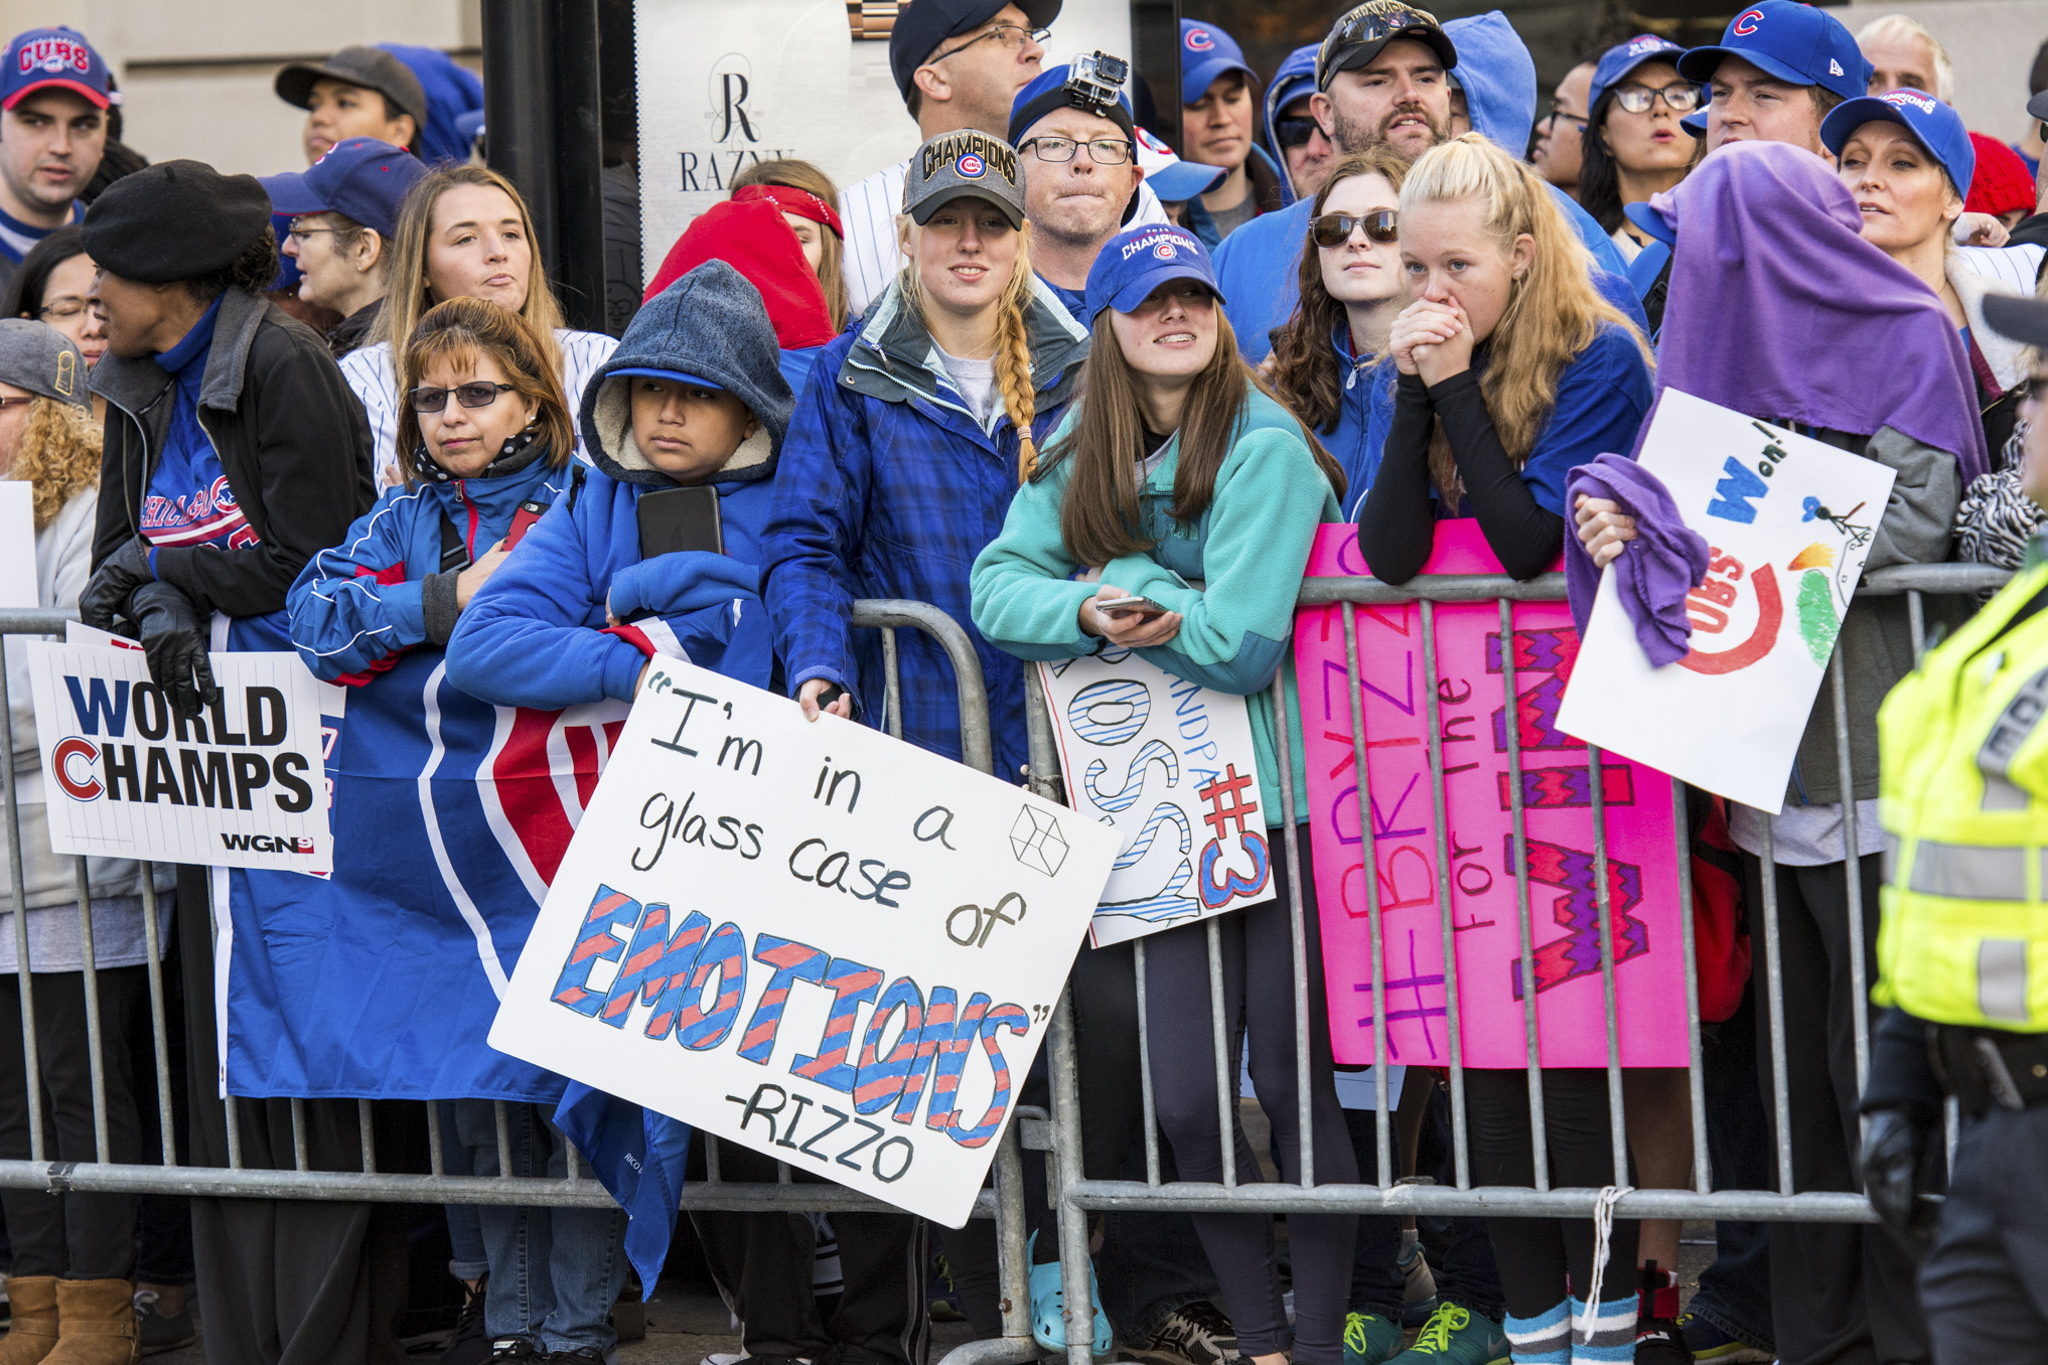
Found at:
<point>17,544</point>
<point>1789,522</point>
<point>240,785</point>
<point>806,938</point>
<point>723,86</point>
<point>1169,765</point>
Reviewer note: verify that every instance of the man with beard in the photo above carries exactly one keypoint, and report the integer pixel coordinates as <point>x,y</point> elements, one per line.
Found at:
<point>1380,81</point>
<point>53,132</point>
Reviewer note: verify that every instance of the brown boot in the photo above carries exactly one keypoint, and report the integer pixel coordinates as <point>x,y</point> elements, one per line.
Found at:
<point>95,1323</point>
<point>34,1333</point>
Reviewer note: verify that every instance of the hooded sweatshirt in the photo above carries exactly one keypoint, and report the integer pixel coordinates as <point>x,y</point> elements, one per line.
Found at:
<point>1256,265</point>
<point>536,634</point>
<point>1295,78</point>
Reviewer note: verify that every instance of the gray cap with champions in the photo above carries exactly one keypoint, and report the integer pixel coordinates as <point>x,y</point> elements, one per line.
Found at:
<point>965,163</point>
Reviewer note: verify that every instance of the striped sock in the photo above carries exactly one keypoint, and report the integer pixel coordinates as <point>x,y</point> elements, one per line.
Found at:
<point>1542,1340</point>
<point>1614,1331</point>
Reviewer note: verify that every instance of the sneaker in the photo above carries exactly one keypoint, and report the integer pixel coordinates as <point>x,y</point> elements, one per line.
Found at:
<point>1709,1343</point>
<point>156,1330</point>
<point>1659,1343</point>
<point>468,1344</point>
<point>1370,1339</point>
<point>1193,1334</point>
<point>1457,1336</point>
<point>581,1355</point>
<point>515,1348</point>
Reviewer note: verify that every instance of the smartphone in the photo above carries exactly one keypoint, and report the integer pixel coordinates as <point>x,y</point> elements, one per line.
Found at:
<point>1123,606</point>
<point>679,519</point>
<point>522,521</point>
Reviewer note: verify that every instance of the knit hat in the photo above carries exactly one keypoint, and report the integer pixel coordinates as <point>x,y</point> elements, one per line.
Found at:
<point>709,328</point>
<point>37,357</point>
<point>753,239</point>
<point>173,221</point>
<point>2002,183</point>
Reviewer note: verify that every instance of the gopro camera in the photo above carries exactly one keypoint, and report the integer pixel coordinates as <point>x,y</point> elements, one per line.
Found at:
<point>1097,78</point>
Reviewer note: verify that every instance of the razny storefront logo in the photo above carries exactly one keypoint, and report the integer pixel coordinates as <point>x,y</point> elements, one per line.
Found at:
<point>733,118</point>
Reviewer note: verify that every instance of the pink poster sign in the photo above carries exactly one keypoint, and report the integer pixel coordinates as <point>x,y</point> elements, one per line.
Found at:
<point>1472,710</point>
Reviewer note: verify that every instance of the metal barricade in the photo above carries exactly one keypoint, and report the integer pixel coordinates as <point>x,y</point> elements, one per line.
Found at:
<point>1075,1195</point>
<point>1004,1202</point>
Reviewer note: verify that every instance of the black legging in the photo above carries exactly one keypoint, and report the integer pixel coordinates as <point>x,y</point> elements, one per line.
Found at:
<point>1536,1255</point>
<point>1258,996</point>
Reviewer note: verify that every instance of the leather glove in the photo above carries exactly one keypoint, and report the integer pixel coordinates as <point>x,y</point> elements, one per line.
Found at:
<point>119,575</point>
<point>175,640</point>
<point>1897,1176</point>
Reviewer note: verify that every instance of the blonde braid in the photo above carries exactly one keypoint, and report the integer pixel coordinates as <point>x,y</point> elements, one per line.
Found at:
<point>1013,358</point>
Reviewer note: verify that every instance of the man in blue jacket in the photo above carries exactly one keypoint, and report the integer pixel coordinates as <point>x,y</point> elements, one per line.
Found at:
<point>1297,142</point>
<point>1381,79</point>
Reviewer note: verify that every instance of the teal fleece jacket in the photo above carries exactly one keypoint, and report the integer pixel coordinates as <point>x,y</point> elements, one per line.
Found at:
<point>1247,551</point>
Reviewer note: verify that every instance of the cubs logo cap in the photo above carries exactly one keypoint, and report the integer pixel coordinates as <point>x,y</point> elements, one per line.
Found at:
<point>1138,260</point>
<point>1207,52</point>
<point>59,58</point>
<point>360,178</point>
<point>963,164</point>
<point>1618,61</point>
<point>1935,126</point>
<point>1790,42</point>
<point>922,25</point>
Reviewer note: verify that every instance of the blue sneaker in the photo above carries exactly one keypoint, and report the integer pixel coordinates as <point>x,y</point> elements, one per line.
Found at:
<point>1457,1336</point>
<point>1049,1307</point>
<point>1370,1339</point>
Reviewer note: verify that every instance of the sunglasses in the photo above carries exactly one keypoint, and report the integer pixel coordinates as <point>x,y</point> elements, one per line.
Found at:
<point>1369,24</point>
<point>1294,132</point>
<point>1335,229</point>
<point>478,393</point>
<point>1679,97</point>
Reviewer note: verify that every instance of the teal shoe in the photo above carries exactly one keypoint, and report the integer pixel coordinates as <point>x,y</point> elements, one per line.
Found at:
<point>1049,1306</point>
<point>1370,1339</point>
<point>1457,1336</point>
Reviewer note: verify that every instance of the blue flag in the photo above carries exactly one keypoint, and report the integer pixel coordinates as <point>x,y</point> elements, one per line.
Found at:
<point>638,1156</point>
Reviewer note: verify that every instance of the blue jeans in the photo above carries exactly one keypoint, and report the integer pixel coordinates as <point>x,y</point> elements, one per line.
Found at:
<point>554,1271</point>
<point>1459,1251</point>
<point>467,1259</point>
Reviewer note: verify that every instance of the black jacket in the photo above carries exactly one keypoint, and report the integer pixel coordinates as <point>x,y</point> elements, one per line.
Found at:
<point>290,435</point>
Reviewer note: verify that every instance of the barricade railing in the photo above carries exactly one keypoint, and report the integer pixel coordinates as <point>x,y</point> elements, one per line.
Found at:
<point>1004,1202</point>
<point>1075,1195</point>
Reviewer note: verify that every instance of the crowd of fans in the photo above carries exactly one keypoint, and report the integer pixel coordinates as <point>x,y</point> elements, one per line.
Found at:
<point>1042,365</point>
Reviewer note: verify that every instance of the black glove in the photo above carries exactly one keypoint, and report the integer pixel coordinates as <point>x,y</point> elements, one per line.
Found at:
<point>1898,1176</point>
<point>174,638</point>
<point>116,580</point>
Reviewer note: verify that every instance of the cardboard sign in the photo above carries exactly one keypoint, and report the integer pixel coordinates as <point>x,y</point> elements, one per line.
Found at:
<point>806,938</point>
<point>17,544</point>
<point>1790,522</point>
<point>1409,850</point>
<point>240,786</point>
<point>1163,762</point>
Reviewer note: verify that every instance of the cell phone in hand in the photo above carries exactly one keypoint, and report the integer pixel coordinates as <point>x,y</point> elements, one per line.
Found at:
<point>522,521</point>
<point>1128,606</point>
<point>679,519</point>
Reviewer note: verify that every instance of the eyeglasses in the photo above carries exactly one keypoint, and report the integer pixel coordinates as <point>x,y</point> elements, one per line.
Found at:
<point>1335,229</point>
<point>1580,119</point>
<point>6,403</point>
<point>67,307</point>
<point>1011,36</point>
<point>1294,132</point>
<point>300,235</point>
<point>1678,97</point>
<point>1103,151</point>
<point>478,393</point>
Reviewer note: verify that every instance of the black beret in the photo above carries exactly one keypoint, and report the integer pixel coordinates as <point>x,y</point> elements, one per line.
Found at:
<point>173,221</point>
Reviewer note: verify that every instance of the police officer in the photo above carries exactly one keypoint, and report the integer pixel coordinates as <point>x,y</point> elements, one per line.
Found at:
<point>1963,951</point>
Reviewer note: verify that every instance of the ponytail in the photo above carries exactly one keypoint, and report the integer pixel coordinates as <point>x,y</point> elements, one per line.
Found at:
<point>1012,358</point>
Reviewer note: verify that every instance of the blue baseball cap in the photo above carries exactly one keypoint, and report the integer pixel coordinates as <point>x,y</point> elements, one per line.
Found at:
<point>1172,179</point>
<point>360,178</point>
<point>1138,260</point>
<point>1207,52</point>
<point>1790,42</point>
<point>1617,61</point>
<point>1049,91</point>
<point>1936,126</point>
<point>43,58</point>
<point>1651,221</point>
<point>1695,122</point>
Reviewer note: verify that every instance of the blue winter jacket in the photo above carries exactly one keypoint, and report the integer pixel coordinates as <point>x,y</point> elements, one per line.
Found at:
<point>890,488</point>
<point>1295,78</point>
<point>1365,412</point>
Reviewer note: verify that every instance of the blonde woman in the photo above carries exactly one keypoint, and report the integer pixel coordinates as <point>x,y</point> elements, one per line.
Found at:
<point>809,203</point>
<point>464,232</point>
<point>1512,367</point>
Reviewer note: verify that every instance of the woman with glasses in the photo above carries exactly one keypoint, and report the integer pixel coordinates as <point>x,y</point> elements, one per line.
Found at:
<point>1330,362</point>
<point>344,214</point>
<point>464,232</point>
<point>1633,145</point>
<point>54,284</point>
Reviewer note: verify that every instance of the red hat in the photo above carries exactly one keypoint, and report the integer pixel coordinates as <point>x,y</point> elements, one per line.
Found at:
<point>2001,183</point>
<point>753,239</point>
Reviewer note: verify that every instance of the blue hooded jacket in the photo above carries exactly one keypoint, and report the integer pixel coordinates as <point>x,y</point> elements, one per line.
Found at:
<point>535,635</point>
<point>1256,264</point>
<point>1364,416</point>
<point>452,90</point>
<point>1295,78</point>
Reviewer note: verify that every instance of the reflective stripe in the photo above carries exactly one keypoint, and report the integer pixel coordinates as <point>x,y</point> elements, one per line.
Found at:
<point>2020,718</point>
<point>1890,865</point>
<point>2001,795</point>
<point>2002,979</point>
<point>1969,872</point>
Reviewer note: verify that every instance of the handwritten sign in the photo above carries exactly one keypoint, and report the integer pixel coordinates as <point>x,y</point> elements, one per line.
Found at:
<point>1169,765</point>
<point>806,938</point>
<point>240,785</point>
<point>1790,522</point>
<point>1413,858</point>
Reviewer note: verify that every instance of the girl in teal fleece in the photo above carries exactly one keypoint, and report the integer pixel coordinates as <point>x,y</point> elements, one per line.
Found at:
<point>1177,469</point>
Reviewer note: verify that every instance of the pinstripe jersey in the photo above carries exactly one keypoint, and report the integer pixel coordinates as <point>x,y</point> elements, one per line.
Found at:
<point>2015,267</point>
<point>369,374</point>
<point>868,211</point>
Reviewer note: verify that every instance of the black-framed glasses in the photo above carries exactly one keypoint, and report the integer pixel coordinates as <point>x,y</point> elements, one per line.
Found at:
<point>1011,36</point>
<point>299,234</point>
<point>1678,97</point>
<point>1580,119</point>
<point>1335,229</point>
<point>478,393</point>
<point>1103,151</point>
<point>1294,132</point>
